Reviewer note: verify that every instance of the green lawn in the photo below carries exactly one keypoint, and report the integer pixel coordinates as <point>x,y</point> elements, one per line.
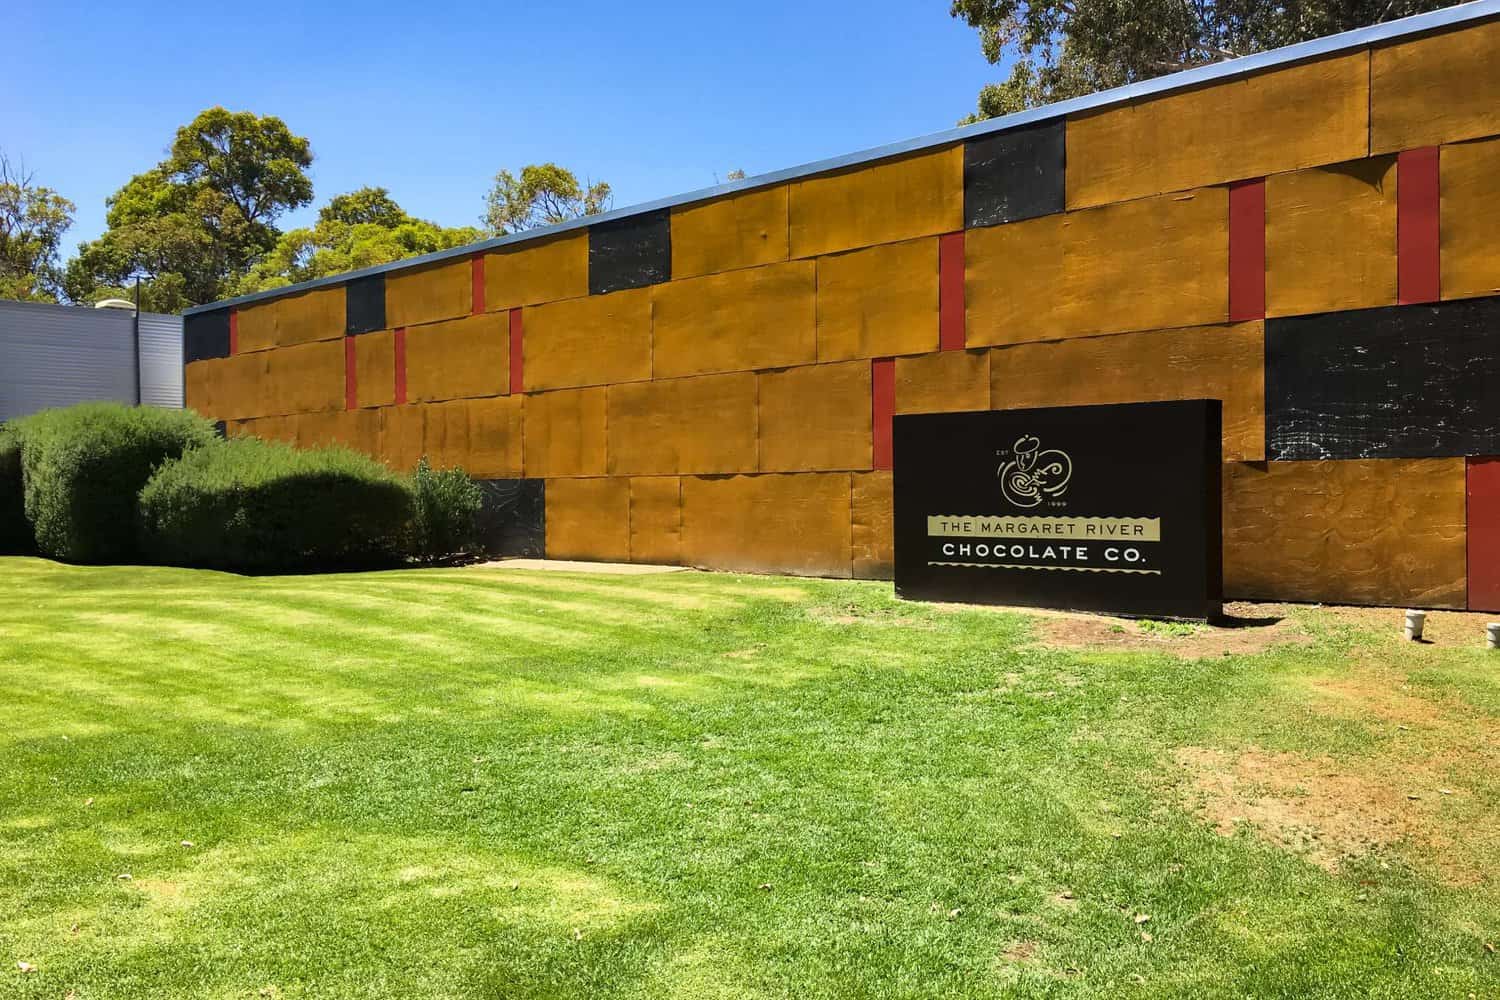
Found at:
<point>501,783</point>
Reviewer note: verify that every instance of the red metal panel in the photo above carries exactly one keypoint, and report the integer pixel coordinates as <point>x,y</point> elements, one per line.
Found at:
<point>351,376</point>
<point>1247,250</point>
<point>1417,226</point>
<point>516,357</point>
<point>882,407</point>
<point>1484,534</point>
<point>951,292</point>
<point>234,332</point>
<point>476,265</point>
<point>400,365</point>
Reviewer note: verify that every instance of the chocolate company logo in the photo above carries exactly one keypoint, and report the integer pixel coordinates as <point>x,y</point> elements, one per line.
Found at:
<point>1032,475</point>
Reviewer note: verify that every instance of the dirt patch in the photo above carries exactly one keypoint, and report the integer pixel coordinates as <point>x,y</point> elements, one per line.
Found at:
<point>1313,806</point>
<point>1332,811</point>
<point>1019,952</point>
<point>1374,694</point>
<point>1426,789</point>
<point>1247,628</point>
<point>847,615</point>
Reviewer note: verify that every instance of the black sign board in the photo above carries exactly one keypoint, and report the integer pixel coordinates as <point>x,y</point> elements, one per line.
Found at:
<point>1089,508</point>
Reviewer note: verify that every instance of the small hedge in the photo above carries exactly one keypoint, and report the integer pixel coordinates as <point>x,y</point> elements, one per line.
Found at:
<point>15,532</point>
<point>267,507</point>
<point>446,513</point>
<point>83,466</point>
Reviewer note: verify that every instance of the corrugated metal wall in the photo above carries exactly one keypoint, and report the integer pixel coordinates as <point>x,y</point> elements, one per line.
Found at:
<point>60,355</point>
<point>161,360</point>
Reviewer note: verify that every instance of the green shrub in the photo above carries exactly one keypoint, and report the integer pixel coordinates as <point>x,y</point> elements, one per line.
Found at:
<point>15,531</point>
<point>445,517</point>
<point>266,507</point>
<point>83,466</point>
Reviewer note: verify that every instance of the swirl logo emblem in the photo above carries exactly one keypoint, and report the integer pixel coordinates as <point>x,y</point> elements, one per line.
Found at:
<point>1033,475</point>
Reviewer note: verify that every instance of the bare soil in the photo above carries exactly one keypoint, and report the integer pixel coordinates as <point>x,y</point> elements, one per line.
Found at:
<point>1249,627</point>
<point>1246,628</point>
<point>1424,791</point>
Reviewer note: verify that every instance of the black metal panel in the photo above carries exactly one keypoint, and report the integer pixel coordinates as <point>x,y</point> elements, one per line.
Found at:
<point>1413,381</point>
<point>512,521</point>
<point>1098,508</point>
<point>205,335</point>
<point>364,304</point>
<point>1014,175</point>
<point>631,252</point>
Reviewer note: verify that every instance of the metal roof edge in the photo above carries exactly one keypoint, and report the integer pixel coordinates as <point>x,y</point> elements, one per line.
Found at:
<point>22,305</point>
<point>1465,13</point>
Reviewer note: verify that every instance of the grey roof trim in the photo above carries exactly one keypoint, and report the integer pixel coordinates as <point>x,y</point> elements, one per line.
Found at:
<point>1466,13</point>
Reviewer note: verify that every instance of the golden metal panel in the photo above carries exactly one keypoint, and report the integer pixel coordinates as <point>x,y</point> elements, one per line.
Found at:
<point>815,418</point>
<point>255,326</point>
<point>302,319</point>
<point>742,230</point>
<point>317,430</point>
<point>917,195</point>
<point>494,440</point>
<point>445,435</point>
<point>1143,265</point>
<point>1437,89</point>
<point>458,358</point>
<point>265,428</point>
<point>565,433</point>
<point>588,519</point>
<point>296,319</point>
<point>231,388</point>
<point>203,389</point>
<point>705,424</point>
<point>401,433</point>
<point>873,527</point>
<point>595,340</point>
<point>1331,238</point>
<point>1214,362</point>
<point>1469,232</point>
<point>360,430</point>
<point>760,317</point>
<point>428,294</point>
<point>656,520</point>
<point>943,382</point>
<point>538,272</point>
<point>768,524</point>
<point>305,378</point>
<point>1283,119</point>
<point>1369,531</point>
<point>878,302</point>
<point>375,368</point>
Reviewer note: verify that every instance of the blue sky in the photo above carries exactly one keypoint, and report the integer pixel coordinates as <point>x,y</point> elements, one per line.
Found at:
<point>430,101</point>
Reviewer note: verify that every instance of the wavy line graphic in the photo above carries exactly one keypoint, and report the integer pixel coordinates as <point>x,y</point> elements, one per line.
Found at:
<point>1068,569</point>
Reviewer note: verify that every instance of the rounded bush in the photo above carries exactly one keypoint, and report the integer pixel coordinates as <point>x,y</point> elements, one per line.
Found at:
<point>83,466</point>
<point>267,507</point>
<point>445,518</point>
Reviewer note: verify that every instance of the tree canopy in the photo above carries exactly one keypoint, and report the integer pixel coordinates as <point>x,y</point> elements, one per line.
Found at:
<point>1057,49</point>
<point>353,230</point>
<point>32,222</point>
<point>197,221</point>
<point>202,224</point>
<point>544,194</point>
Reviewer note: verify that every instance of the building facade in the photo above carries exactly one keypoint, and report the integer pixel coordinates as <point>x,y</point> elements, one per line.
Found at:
<point>1309,235</point>
<point>54,355</point>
